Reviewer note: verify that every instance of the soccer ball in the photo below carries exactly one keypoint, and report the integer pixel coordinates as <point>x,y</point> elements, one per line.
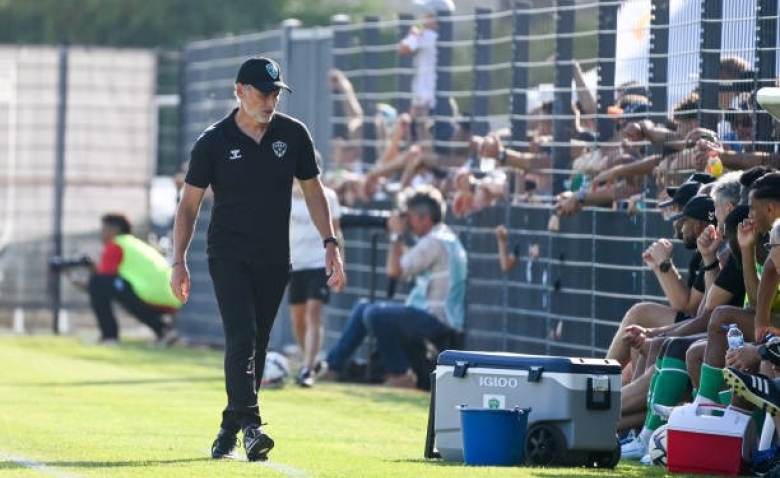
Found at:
<point>657,446</point>
<point>277,369</point>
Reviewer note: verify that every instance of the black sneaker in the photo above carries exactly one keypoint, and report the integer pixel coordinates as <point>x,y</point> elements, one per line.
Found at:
<point>305,379</point>
<point>225,445</point>
<point>757,389</point>
<point>257,444</point>
<point>771,352</point>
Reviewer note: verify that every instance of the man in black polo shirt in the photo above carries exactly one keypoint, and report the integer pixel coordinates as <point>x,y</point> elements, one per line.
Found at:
<point>249,159</point>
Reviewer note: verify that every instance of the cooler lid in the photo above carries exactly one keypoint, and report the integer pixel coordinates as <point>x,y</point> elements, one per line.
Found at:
<point>505,360</point>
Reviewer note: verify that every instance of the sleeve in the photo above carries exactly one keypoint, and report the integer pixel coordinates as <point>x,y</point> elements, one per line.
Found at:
<point>730,278</point>
<point>306,164</point>
<point>420,257</point>
<point>200,170</point>
<point>110,260</point>
<point>412,41</point>
<point>698,282</point>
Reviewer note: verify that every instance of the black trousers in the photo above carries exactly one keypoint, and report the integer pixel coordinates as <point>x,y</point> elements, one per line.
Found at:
<point>248,295</point>
<point>103,290</point>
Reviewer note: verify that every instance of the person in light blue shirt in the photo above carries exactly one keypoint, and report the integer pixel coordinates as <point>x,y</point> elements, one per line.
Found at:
<point>436,304</point>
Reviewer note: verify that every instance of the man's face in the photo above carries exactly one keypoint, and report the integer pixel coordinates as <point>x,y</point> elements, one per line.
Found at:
<point>763,212</point>
<point>690,228</point>
<point>419,224</point>
<point>108,232</point>
<point>258,105</point>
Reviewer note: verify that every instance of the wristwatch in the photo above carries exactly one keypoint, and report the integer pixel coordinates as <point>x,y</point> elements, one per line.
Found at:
<point>331,240</point>
<point>393,237</point>
<point>665,265</point>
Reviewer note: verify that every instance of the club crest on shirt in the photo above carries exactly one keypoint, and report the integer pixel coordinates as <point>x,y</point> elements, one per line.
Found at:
<point>279,147</point>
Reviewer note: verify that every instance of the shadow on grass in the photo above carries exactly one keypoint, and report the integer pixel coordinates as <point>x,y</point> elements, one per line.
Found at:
<point>531,471</point>
<point>102,383</point>
<point>10,465</point>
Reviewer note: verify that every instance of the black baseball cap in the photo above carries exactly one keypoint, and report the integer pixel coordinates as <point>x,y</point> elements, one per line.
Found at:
<point>699,207</point>
<point>682,194</point>
<point>262,73</point>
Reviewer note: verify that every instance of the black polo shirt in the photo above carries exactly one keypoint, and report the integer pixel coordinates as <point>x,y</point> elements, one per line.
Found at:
<point>252,184</point>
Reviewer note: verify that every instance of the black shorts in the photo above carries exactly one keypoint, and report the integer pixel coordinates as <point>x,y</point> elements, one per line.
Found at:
<point>308,284</point>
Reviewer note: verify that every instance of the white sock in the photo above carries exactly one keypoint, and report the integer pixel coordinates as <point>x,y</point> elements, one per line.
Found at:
<point>699,400</point>
<point>645,434</point>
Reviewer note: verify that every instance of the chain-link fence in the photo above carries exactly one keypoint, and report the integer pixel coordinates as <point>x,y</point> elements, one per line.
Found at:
<point>77,142</point>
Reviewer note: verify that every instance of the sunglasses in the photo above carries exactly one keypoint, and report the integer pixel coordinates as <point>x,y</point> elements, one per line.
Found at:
<point>768,246</point>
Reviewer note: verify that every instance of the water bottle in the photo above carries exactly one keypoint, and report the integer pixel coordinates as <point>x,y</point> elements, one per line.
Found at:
<point>734,337</point>
<point>714,164</point>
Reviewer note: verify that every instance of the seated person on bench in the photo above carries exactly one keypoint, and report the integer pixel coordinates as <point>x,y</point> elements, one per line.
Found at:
<point>435,306</point>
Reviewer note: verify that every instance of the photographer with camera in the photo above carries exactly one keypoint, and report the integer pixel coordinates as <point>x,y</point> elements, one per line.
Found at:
<point>434,308</point>
<point>130,272</point>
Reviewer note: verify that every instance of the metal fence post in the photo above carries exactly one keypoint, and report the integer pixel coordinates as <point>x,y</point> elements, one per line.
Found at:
<point>709,62</point>
<point>341,40</point>
<point>564,52</point>
<point>482,61</point>
<point>404,103</point>
<point>659,60</point>
<point>520,57</point>
<point>59,184</point>
<point>766,54</point>
<point>442,111</point>
<point>606,67</point>
<point>371,65</point>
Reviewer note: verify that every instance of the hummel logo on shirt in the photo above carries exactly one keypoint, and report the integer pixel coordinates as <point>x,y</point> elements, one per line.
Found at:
<point>235,154</point>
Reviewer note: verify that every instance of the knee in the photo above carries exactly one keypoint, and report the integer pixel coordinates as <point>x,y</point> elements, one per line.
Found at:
<point>677,348</point>
<point>635,313</point>
<point>718,319</point>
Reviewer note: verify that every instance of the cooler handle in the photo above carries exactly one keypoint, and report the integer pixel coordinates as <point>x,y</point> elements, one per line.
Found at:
<point>535,373</point>
<point>459,371</point>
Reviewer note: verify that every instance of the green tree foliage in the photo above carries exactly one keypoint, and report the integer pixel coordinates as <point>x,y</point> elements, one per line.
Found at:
<point>157,23</point>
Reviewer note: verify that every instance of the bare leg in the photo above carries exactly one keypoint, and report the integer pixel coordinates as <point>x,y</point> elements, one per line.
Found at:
<point>313,334</point>
<point>694,357</point>
<point>715,355</point>
<point>631,420</point>
<point>298,316</point>
<point>645,314</point>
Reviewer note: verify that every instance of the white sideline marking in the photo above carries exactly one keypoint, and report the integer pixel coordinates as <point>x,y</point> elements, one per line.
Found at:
<point>37,466</point>
<point>287,470</point>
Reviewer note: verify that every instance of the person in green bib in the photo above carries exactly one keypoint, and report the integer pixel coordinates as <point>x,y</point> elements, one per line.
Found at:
<point>134,274</point>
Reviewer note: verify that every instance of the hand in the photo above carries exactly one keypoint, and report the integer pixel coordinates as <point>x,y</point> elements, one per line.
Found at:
<point>501,233</point>
<point>396,224</point>
<point>747,234</point>
<point>762,331</point>
<point>490,147</point>
<point>708,243</point>
<point>658,252</point>
<point>635,336</point>
<point>567,204</point>
<point>180,282</point>
<point>745,358</point>
<point>634,131</point>
<point>702,155</point>
<point>334,268</point>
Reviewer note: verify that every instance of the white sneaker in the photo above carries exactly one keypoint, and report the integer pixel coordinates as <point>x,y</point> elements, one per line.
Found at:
<point>646,460</point>
<point>633,450</point>
<point>663,411</point>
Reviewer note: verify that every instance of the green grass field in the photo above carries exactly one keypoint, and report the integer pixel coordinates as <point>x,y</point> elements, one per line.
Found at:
<point>71,410</point>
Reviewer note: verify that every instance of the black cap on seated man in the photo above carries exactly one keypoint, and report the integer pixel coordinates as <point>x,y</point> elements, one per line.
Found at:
<point>263,74</point>
<point>681,194</point>
<point>699,207</point>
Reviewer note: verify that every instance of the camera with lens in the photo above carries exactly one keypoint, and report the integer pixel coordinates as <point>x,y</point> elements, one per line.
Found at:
<point>60,263</point>
<point>363,218</point>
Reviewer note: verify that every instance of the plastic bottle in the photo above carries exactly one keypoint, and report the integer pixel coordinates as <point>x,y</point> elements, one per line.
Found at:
<point>734,337</point>
<point>714,165</point>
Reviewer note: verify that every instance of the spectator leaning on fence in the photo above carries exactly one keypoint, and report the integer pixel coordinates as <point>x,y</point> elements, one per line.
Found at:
<point>134,274</point>
<point>435,307</point>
